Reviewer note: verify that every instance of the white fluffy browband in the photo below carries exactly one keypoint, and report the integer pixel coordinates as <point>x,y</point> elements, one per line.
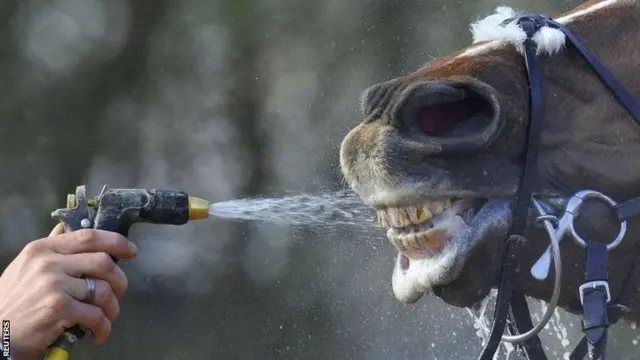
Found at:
<point>549,40</point>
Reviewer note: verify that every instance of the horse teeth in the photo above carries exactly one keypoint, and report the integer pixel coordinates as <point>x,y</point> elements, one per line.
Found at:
<point>411,215</point>
<point>438,207</point>
<point>422,214</point>
<point>419,241</point>
<point>382,219</point>
<point>426,241</point>
<point>402,217</point>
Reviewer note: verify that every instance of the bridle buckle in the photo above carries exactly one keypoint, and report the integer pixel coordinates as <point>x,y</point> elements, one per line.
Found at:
<point>591,285</point>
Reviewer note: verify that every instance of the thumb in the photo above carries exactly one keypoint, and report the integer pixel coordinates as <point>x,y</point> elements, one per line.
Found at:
<point>57,230</point>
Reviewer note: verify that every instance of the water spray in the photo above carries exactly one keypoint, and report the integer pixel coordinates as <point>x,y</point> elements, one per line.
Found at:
<point>328,210</point>
<point>117,210</point>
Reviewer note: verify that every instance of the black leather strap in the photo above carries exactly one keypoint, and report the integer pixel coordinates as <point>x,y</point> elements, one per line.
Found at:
<point>532,145</point>
<point>580,351</point>
<point>520,323</point>
<point>595,296</point>
<point>630,287</point>
<point>628,209</point>
<point>620,93</point>
<point>505,292</point>
<point>523,199</point>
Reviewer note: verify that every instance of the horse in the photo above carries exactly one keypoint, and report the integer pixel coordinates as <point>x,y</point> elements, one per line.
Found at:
<point>441,155</point>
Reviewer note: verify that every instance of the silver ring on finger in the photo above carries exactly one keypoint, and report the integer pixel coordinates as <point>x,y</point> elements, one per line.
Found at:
<point>91,291</point>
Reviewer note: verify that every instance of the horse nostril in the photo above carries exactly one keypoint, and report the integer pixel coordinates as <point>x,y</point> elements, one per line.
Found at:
<point>454,114</point>
<point>455,118</point>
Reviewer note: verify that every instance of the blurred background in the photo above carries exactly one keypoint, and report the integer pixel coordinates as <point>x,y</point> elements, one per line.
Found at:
<point>227,99</point>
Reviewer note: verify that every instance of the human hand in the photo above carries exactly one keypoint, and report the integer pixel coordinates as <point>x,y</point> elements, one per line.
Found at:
<point>43,289</point>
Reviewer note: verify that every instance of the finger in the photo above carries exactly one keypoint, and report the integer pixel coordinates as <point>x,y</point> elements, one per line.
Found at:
<point>88,316</point>
<point>96,265</point>
<point>91,240</point>
<point>104,296</point>
<point>57,230</point>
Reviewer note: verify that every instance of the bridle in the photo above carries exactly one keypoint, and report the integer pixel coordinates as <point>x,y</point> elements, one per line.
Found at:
<point>599,308</point>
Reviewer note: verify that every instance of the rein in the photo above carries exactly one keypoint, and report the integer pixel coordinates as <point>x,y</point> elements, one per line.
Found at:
<point>511,310</point>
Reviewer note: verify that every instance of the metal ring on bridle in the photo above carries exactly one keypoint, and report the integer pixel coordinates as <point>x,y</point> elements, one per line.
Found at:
<point>91,290</point>
<point>551,218</point>
<point>609,201</point>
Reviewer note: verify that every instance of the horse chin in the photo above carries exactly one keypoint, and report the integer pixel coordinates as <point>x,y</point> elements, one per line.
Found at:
<point>436,257</point>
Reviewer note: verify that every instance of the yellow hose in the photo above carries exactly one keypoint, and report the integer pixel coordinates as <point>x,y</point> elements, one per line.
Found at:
<point>56,353</point>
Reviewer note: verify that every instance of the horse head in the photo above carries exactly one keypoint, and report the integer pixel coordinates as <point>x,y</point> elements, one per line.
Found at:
<point>439,154</point>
